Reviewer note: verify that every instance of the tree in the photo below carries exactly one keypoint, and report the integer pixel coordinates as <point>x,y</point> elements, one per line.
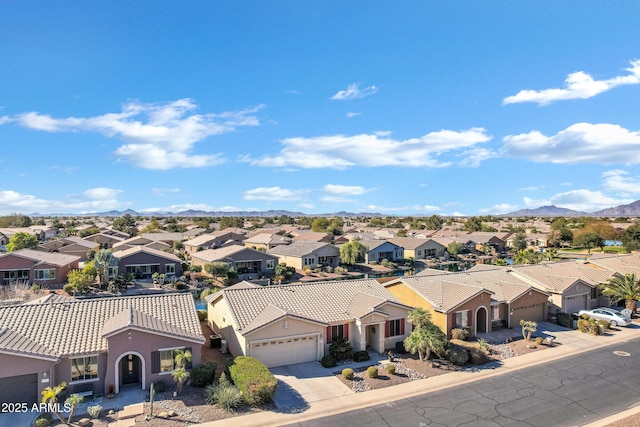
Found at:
<point>154,225</point>
<point>103,260</point>
<point>520,242</point>
<point>81,280</point>
<point>217,269</point>
<point>454,248</point>
<point>22,240</point>
<point>74,400</point>
<point>434,222</point>
<point>283,272</point>
<point>589,240</point>
<point>126,224</point>
<point>425,337</point>
<point>353,252</point>
<point>528,327</point>
<point>180,373</point>
<point>50,396</point>
<point>527,256</point>
<point>231,222</point>
<point>15,220</point>
<point>625,288</point>
<point>552,254</point>
<point>631,237</point>
<point>473,224</point>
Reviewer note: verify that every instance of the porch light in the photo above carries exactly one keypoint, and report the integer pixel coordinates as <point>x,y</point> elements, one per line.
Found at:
<point>44,374</point>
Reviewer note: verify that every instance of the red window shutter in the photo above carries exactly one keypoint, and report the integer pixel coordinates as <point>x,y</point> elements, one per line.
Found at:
<point>346,331</point>
<point>468,317</point>
<point>401,326</point>
<point>328,334</point>
<point>387,328</point>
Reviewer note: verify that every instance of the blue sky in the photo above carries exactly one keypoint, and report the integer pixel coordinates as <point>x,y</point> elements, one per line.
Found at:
<point>403,108</point>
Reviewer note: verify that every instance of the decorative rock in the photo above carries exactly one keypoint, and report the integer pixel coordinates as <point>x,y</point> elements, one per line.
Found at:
<point>172,413</point>
<point>163,415</point>
<point>112,412</point>
<point>84,422</point>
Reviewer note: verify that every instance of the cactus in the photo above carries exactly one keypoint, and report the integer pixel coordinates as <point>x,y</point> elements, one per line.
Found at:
<point>152,395</point>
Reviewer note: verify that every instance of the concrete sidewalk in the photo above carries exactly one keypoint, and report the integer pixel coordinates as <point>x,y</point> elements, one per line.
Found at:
<point>569,342</point>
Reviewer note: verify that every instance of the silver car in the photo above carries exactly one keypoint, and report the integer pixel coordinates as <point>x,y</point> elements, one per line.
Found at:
<point>614,317</point>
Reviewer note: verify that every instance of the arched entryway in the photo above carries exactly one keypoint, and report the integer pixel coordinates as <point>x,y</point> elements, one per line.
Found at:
<point>481,320</point>
<point>130,371</point>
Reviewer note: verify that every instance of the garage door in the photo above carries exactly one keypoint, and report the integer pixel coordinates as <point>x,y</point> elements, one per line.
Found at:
<point>286,351</point>
<point>536,312</point>
<point>19,389</point>
<point>573,304</point>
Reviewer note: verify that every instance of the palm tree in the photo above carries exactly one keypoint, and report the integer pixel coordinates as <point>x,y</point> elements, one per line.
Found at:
<point>625,288</point>
<point>418,317</point>
<point>104,259</point>
<point>424,340</point>
<point>181,357</point>
<point>74,400</point>
<point>180,373</point>
<point>50,396</point>
<point>552,254</point>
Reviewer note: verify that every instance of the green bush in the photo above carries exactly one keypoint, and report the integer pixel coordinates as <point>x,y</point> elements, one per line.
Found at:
<point>69,288</point>
<point>202,315</point>
<point>254,380</point>
<point>361,356</point>
<point>391,369</point>
<point>372,372</point>
<point>159,386</point>
<point>341,349</point>
<point>44,420</point>
<point>565,319</point>
<point>347,373</point>
<point>460,334</point>
<point>225,395</point>
<point>539,340</point>
<point>328,361</point>
<point>204,374</point>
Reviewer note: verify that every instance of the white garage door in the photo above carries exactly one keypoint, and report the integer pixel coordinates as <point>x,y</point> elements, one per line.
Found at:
<point>286,351</point>
<point>573,304</point>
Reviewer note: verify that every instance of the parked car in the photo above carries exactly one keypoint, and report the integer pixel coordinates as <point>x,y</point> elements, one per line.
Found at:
<point>614,317</point>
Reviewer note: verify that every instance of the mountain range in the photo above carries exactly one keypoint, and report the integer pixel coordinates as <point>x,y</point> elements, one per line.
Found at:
<point>632,209</point>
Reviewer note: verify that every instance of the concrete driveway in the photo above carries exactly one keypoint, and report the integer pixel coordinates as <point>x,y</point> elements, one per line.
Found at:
<point>301,385</point>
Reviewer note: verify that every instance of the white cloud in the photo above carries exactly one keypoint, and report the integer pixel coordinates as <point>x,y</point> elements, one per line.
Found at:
<point>475,156</point>
<point>403,209</point>
<point>162,192</point>
<point>579,143</point>
<point>92,200</point>
<point>158,136</point>
<point>531,188</point>
<point>619,182</point>
<point>499,209</point>
<point>307,206</point>
<point>273,194</point>
<point>579,200</point>
<point>352,114</point>
<point>344,190</point>
<point>293,92</point>
<point>353,91</point>
<point>181,207</point>
<point>579,85</point>
<point>371,150</point>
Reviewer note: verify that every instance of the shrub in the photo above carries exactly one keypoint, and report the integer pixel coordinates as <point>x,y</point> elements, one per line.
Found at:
<point>328,361</point>
<point>456,355</point>
<point>460,334</point>
<point>341,349</point>
<point>44,420</point>
<point>565,319</point>
<point>604,324</point>
<point>391,369</point>
<point>226,395</point>
<point>159,387</point>
<point>361,356</point>
<point>583,325</point>
<point>347,374</point>
<point>584,316</point>
<point>202,315</point>
<point>478,356</point>
<point>539,340</point>
<point>94,411</point>
<point>372,372</point>
<point>69,288</point>
<point>204,374</point>
<point>400,348</point>
<point>593,328</point>
<point>254,380</point>
<point>484,344</point>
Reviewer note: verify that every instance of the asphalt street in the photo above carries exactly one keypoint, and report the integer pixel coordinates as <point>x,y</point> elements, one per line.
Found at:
<point>568,392</point>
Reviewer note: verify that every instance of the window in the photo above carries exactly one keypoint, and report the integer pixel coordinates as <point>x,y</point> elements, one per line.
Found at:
<point>462,319</point>
<point>167,361</point>
<point>112,271</point>
<point>84,368</point>
<point>594,293</point>
<point>394,328</point>
<point>270,264</point>
<point>336,332</point>
<point>309,261</point>
<point>170,268</point>
<point>46,274</point>
<point>495,312</point>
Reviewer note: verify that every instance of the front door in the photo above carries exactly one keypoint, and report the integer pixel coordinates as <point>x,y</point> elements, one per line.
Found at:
<point>130,367</point>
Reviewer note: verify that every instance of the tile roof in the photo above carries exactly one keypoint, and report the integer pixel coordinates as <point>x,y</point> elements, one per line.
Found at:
<point>14,342</point>
<point>147,250</point>
<point>297,249</point>
<point>268,239</point>
<point>211,255</point>
<point>561,275</point>
<point>202,239</point>
<point>52,258</point>
<point>442,292</point>
<point>136,319</point>
<point>77,326</point>
<point>325,302</point>
<point>411,243</point>
<point>623,264</point>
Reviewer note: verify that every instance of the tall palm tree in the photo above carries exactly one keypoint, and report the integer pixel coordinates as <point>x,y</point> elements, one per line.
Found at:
<point>104,259</point>
<point>425,339</point>
<point>625,288</point>
<point>419,317</point>
<point>50,396</point>
<point>180,374</point>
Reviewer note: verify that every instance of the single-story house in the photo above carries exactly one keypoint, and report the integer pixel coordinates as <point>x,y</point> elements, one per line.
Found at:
<point>307,254</point>
<point>290,324</point>
<point>313,236</point>
<point>71,245</point>
<point>382,249</point>
<point>213,240</point>
<point>266,241</point>
<point>94,343</point>
<point>246,262</point>
<point>136,241</point>
<point>420,248</point>
<point>32,266</point>
<point>142,262</point>
<point>452,304</point>
<point>104,240</point>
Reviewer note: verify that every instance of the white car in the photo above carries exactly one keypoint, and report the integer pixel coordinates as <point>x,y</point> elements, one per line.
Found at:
<point>614,317</point>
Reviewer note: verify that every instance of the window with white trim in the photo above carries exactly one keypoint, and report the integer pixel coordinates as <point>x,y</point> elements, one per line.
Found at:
<point>170,268</point>
<point>167,361</point>
<point>270,264</point>
<point>45,274</point>
<point>495,312</point>
<point>84,368</point>
<point>462,319</point>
